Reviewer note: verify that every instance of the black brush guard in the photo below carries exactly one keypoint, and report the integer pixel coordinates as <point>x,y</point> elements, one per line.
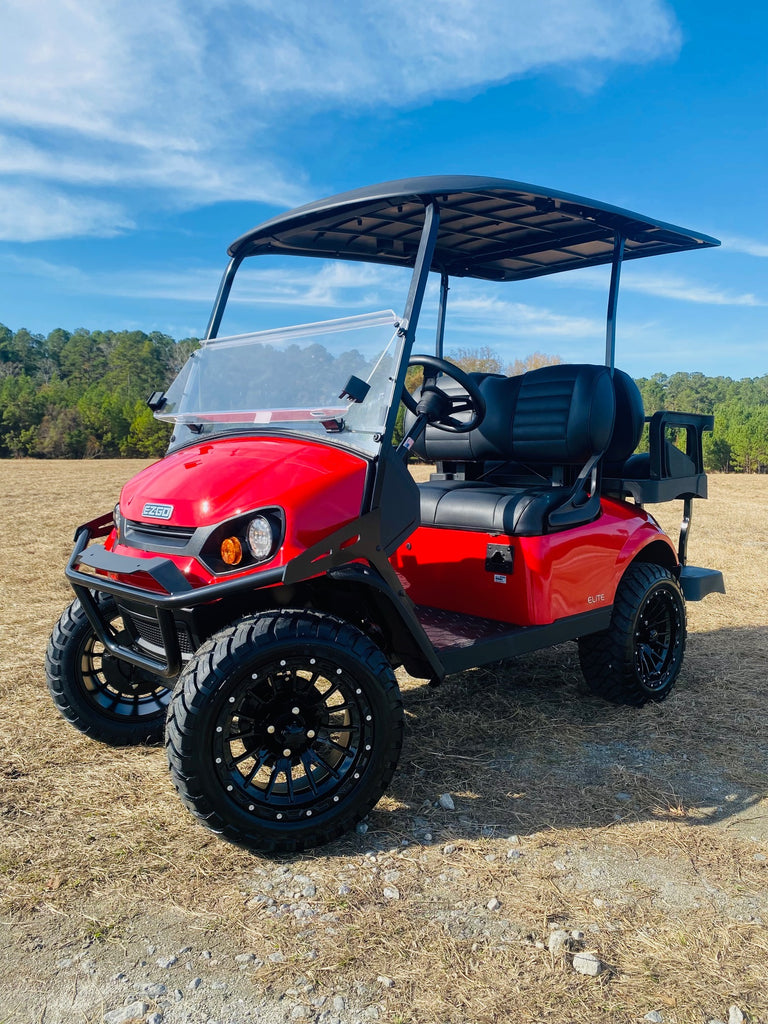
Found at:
<point>179,594</point>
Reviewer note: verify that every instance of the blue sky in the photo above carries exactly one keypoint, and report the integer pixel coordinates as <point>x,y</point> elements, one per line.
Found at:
<point>138,140</point>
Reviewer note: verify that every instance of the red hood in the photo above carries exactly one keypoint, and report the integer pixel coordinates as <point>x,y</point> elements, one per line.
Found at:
<point>211,482</point>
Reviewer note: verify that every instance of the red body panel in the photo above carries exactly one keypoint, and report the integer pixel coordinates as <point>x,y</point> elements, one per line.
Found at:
<point>319,487</point>
<point>554,576</point>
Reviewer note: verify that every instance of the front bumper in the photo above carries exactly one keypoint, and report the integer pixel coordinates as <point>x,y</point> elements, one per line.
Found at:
<point>178,594</point>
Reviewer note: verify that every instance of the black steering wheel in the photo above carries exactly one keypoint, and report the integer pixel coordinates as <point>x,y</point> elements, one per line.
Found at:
<point>436,405</point>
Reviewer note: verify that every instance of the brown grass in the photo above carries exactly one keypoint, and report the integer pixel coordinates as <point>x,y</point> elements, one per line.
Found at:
<point>645,829</point>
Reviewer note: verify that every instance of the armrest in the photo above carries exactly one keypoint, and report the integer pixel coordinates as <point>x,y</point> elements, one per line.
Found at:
<point>694,425</point>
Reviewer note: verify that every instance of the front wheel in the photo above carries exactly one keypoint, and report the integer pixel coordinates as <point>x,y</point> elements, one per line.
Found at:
<point>100,695</point>
<point>638,658</point>
<point>284,730</point>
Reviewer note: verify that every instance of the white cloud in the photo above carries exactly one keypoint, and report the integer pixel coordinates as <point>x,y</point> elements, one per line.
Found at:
<point>179,97</point>
<point>331,285</point>
<point>749,246</point>
<point>100,69</point>
<point>197,178</point>
<point>665,286</point>
<point>155,75</point>
<point>31,213</point>
<point>492,316</point>
<point>326,286</point>
<point>687,291</point>
<point>400,51</point>
<point>306,284</point>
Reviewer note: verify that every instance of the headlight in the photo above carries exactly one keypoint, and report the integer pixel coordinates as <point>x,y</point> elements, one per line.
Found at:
<point>242,543</point>
<point>116,519</point>
<point>260,537</point>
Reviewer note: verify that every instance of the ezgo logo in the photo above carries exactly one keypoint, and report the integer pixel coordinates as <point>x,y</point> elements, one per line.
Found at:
<point>157,511</point>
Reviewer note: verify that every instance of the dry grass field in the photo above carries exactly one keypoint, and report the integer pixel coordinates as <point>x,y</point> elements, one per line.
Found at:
<point>644,830</point>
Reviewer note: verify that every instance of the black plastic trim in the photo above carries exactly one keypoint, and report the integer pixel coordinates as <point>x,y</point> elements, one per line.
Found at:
<point>200,542</point>
<point>372,537</point>
<point>697,583</point>
<point>162,570</point>
<point>524,639</point>
<point>167,669</point>
<point>661,483</point>
<point>180,594</point>
<point>410,640</point>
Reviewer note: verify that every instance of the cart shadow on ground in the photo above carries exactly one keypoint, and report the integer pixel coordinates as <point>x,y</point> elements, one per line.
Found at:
<point>521,747</point>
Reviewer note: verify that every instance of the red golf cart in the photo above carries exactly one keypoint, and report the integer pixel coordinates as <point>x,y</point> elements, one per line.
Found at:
<point>254,591</point>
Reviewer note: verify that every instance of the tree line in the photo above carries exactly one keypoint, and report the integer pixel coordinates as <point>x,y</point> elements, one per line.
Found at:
<point>739,441</point>
<point>82,394</point>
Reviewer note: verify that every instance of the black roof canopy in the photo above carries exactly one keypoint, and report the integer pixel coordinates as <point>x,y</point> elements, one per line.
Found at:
<point>490,228</point>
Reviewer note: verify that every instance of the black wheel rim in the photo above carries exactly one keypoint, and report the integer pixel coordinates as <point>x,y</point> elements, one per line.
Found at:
<point>119,690</point>
<point>293,738</point>
<point>658,638</point>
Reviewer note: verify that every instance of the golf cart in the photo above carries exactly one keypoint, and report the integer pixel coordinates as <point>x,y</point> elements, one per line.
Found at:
<point>256,588</point>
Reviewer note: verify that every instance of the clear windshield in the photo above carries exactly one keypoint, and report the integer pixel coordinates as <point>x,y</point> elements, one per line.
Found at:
<point>292,379</point>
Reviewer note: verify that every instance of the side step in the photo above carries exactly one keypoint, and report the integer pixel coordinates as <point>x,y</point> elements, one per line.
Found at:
<point>697,583</point>
<point>452,629</point>
<point>466,641</point>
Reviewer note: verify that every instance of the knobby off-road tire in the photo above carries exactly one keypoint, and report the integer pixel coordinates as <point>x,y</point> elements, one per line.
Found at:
<point>639,657</point>
<point>102,696</point>
<point>284,730</point>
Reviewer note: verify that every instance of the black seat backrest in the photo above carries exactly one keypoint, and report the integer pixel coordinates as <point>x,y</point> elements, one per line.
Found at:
<point>556,415</point>
<point>630,417</point>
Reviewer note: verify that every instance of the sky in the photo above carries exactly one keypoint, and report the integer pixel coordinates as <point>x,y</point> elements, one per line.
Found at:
<point>138,140</point>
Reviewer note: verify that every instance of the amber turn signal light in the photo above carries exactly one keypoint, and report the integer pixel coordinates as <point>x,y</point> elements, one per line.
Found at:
<point>231,551</point>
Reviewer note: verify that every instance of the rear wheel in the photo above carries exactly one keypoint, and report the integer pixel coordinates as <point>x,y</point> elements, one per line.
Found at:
<point>101,695</point>
<point>640,656</point>
<point>284,730</point>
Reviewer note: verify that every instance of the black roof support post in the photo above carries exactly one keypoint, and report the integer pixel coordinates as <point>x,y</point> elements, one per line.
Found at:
<point>441,314</point>
<point>222,295</point>
<point>416,291</point>
<point>613,301</point>
<point>421,268</point>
